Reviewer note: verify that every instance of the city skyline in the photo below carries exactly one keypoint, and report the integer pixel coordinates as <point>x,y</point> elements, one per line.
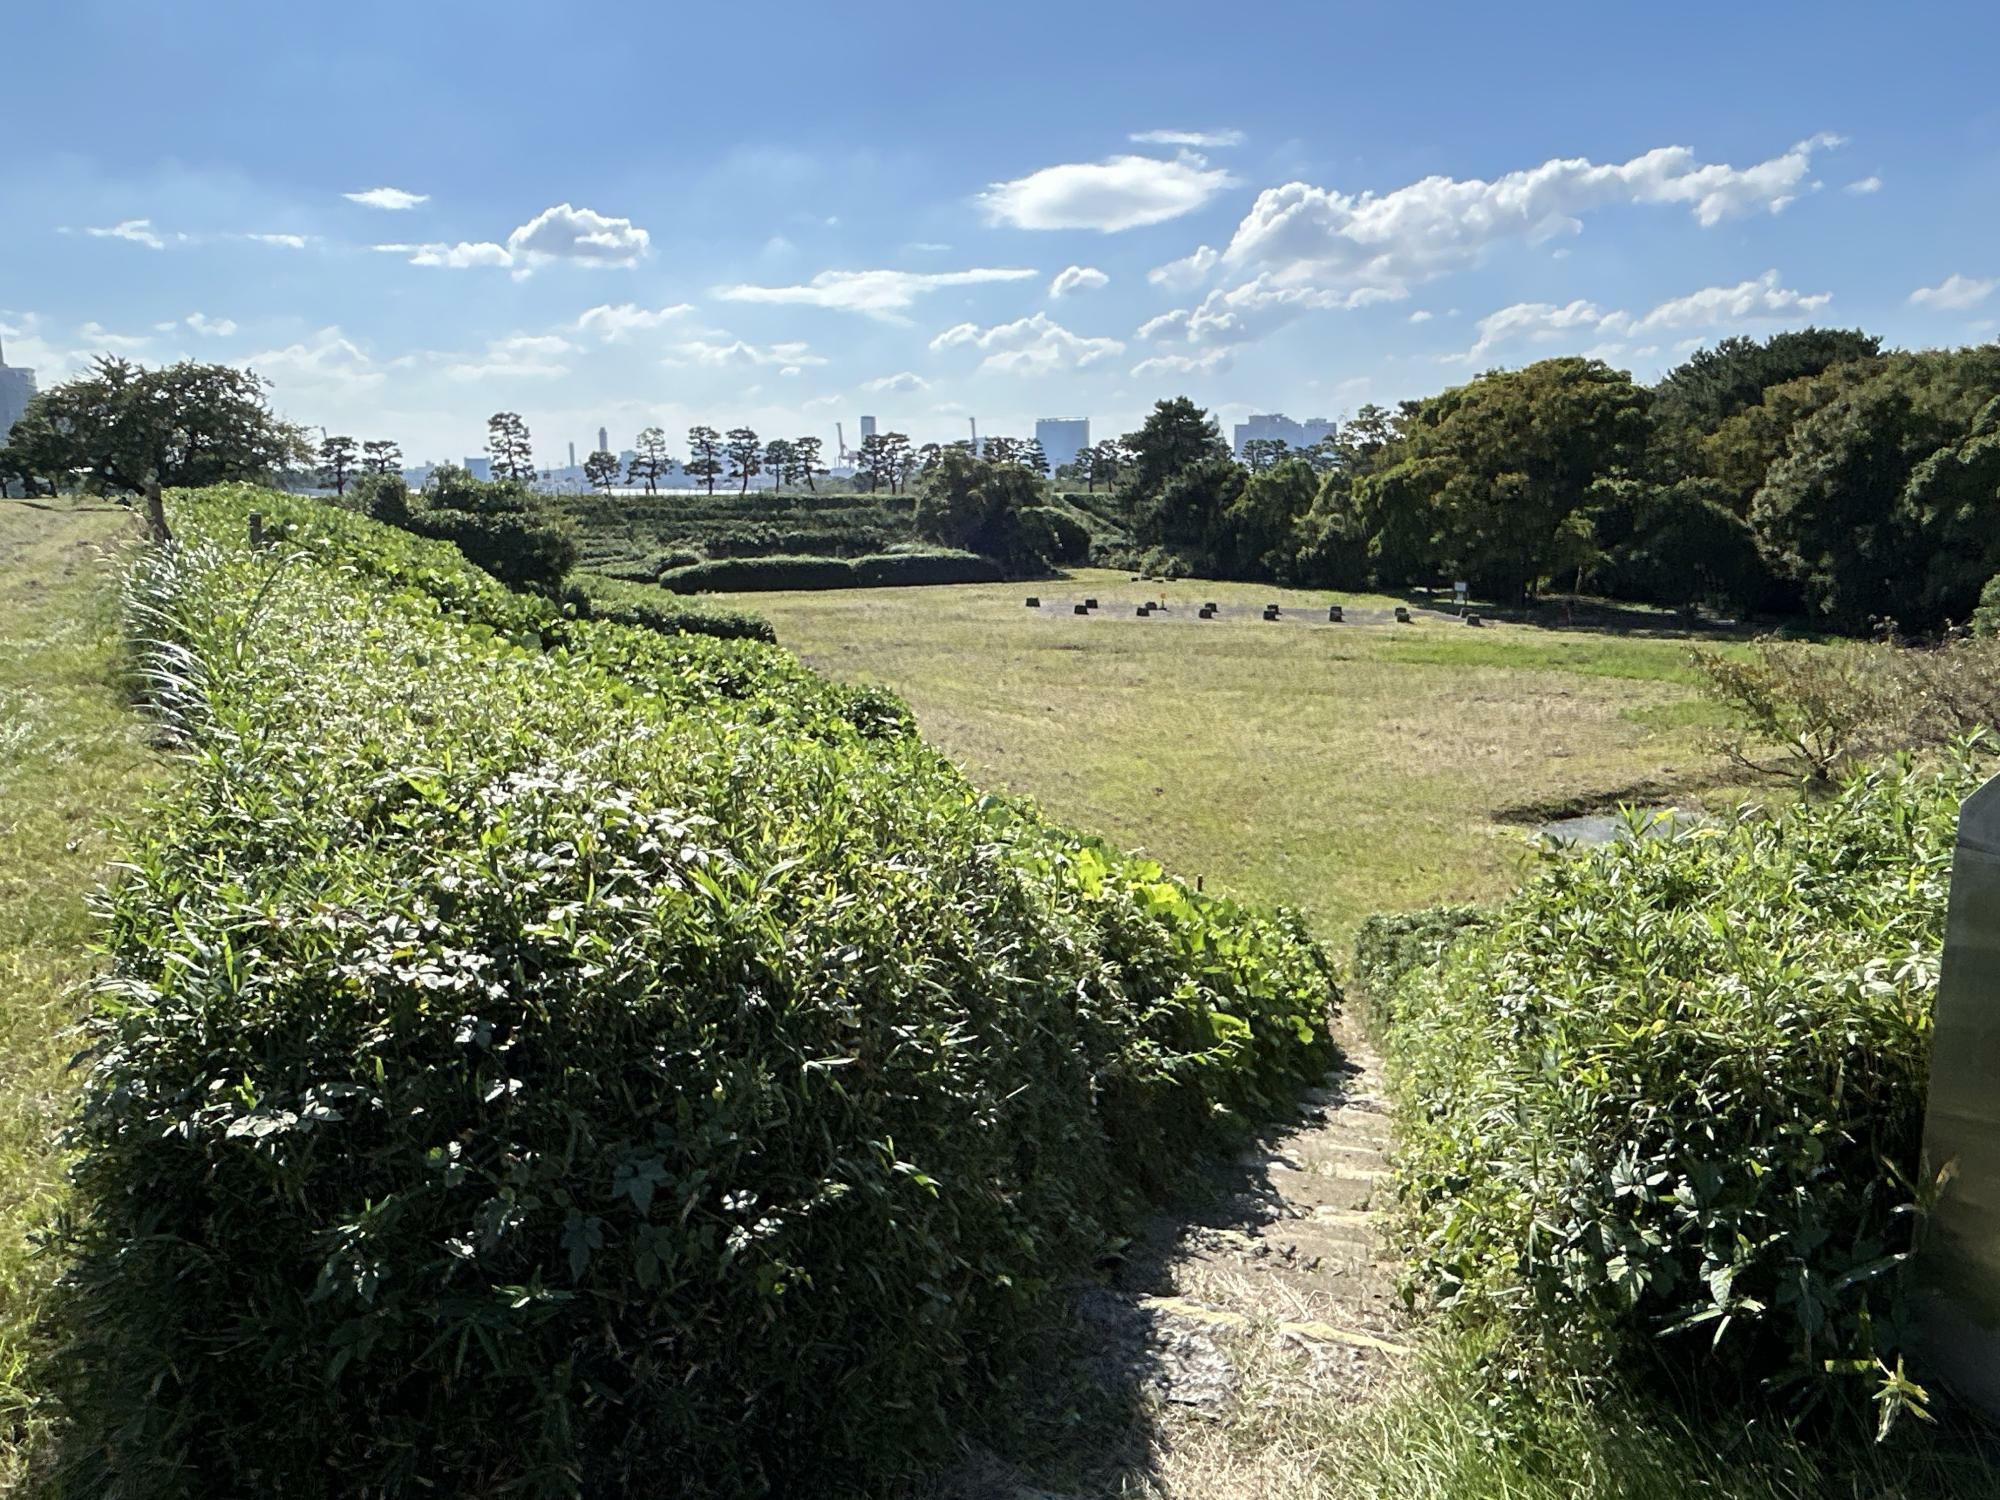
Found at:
<point>1509,194</point>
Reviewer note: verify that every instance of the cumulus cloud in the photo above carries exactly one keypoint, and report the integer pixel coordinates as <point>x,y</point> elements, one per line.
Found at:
<point>529,356</point>
<point>1188,272</point>
<point>1207,362</point>
<point>562,233</point>
<point>1864,185</point>
<point>1167,323</point>
<point>1954,294</point>
<point>98,336</point>
<point>1199,138</point>
<point>615,322</point>
<point>1420,316</point>
<point>1078,279</point>
<point>793,355</point>
<point>283,241</point>
<point>219,328</point>
<point>328,361</point>
<point>387,197</point>
<point>902,383</point>
<point>138,231</point>
<point>1122,193</point>
<point>876,294</point>
<point>1710,307</point>
<point>1034,345</point>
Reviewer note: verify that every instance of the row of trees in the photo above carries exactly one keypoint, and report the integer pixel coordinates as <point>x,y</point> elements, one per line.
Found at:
<point>1809,472</point>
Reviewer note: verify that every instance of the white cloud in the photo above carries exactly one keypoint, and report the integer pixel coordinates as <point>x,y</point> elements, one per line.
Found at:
<point>580,234</point>
<point>739,354</point>
<point>613,323</point>
<point>138,231</point>
<point>902,383</point>
<point>98,335</point>
<point>1122,193</point>
<point>1208,362</point>
<point>531,356</point>
<point>555,234</point>
<point>1421,315</point>
<point>878,294</point>
<point>387,197</point>
<point>1545,322</point>
<point>329,362</point>
<point>1954,294</point>
<point>1187,272</point>
<point>219,328</point>
<point>1078,279</point>
<point>1034,345</point>
<point>284,241</point>
<point>1863,185</point>
<point>1204,138</point>
<point>1174,322</point>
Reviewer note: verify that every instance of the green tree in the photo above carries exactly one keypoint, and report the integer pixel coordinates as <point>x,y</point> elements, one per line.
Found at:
<point>1035,458</point>
<point>779,462</point>
<point>1259,528</point>
<point>600,470</point>
<point>898,458</point>
<point>1186,516</point>
<point>872,461</point>
<point>746,457</point>
<point>1491,472</point>
<point>125,429</point>
<point>704,456</point>
<point>650,460</point>
<point>977,505</point>
<point>381,456</point>
<point>508,445</point>
<point>336,462</point>
<point>1176,436</point>
<point>805,454</point>
<point>1002,450</point>
<point>1260,454</point>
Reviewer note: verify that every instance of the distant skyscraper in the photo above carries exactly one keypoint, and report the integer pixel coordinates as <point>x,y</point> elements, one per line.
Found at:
<point>572,455</point>
<point>1281,427</point>
<point>603,441</point>
<point>17,388</point>
<point>867,428</point>
<point>479,468</point>
<point>1062,438</point>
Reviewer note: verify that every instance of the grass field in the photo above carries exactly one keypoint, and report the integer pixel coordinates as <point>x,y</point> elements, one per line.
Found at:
<point>1344,769</point>
<point>73,759</point>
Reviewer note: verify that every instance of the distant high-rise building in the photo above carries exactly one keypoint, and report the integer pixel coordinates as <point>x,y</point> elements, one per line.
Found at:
<point>1062,438</point>
<point>603,441</point>
<point>17,389</point>
<point>479,468</point>
<point>1281,427</point>
<point>867,428</point>
<point>572,455</point>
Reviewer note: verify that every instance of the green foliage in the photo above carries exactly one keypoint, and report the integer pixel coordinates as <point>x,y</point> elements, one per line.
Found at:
<point>1667,1106</point>
<point>1714,384</point>
<point>1185,516</point>
<point>380,497</point>
<point>925,566</point>
<point>888,569</point>
<point>524,549</point>
<point>1390,945</point>
<point>977,505</point>
<point>1175,436</point>
<point>649,608</point>
<point>543,1072</point>
<point>1056,535</point>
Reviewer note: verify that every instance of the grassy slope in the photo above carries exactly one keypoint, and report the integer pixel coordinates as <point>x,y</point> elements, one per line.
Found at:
<point>73,759</point>
<point>1344,770</point>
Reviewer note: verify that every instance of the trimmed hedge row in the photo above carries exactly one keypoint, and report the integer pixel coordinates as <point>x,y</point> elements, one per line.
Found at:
<point>887,569</point>
<point>654,609</point>
<point>638,1067</point>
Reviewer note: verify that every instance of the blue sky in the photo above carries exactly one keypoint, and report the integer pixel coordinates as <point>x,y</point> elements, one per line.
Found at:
<point>790,214</point>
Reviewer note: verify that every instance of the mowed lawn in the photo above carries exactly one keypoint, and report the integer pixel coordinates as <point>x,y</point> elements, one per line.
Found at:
<point>1344,769</point>
<point>74,760</point>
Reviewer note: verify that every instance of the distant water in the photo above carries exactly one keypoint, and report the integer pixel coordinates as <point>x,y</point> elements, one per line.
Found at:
<point>1601,828</point>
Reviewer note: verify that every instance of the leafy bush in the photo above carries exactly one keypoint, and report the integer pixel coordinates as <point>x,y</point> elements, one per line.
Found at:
<point>547,1072</point>
<point>1392,944</point>
<point>663,613</point>
<point>1667,1104</point>
<point>933,565</point>
<point>522,549</point>
<point>1057,535</point>
<point>727,574</point>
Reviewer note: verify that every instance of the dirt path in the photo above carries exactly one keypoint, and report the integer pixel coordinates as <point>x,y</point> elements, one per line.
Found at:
<point>1229,1338</point>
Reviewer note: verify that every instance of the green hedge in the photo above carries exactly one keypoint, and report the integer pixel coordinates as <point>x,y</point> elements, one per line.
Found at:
<point>654,609</point>
<point>1668,1102</point>
<point>640,1067</point>
<point>522,549</point>
<point>745,574</point>
<point>1057,535</point>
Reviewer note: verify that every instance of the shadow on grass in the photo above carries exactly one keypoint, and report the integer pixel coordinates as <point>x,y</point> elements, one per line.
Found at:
<point>1586,615</point>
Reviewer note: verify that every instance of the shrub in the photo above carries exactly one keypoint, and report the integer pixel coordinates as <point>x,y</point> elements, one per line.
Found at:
<point>554,1072</point>
<point>931,566</point>
<point>1056,535</point>
<point>663,613</point>
<point>380,497</point>
<point>1986,618</point>
<point>726,574</point>
<point>1669,1101</point>
<point>1392,944</point>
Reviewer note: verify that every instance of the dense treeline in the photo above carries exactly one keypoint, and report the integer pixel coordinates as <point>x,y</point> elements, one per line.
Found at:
<point>1808,473</point>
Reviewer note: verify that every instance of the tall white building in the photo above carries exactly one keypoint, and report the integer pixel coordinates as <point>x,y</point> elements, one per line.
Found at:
<point>1062,438</point>
<point>867,428</point>
<point>1281,427</point>
<point>17,389</point>
<point>603,441</point>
